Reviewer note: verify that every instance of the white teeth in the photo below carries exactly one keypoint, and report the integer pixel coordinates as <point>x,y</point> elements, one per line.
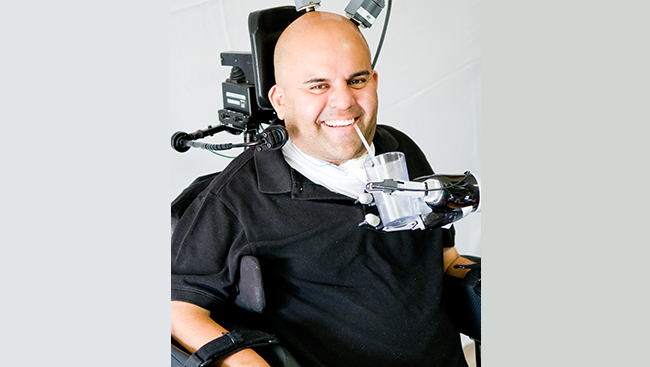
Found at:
<point>335,123</point>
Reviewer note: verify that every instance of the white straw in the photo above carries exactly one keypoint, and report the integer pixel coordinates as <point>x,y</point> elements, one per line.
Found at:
<point>363,140</point>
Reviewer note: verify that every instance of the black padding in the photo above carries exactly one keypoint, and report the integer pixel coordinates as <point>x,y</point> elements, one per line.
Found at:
<point>265,27</point>
<point>463,301</point>
<point>251,288</point>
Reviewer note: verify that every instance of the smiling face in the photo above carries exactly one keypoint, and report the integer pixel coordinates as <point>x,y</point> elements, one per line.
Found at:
<point>325,85</point>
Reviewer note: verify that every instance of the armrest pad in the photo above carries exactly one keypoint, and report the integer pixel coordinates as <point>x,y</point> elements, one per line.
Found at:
<point>463,301</point>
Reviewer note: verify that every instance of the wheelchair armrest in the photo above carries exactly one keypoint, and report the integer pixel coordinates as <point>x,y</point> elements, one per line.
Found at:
<point>179,355</point>
<point>463,301</point>
<point>250,285</point>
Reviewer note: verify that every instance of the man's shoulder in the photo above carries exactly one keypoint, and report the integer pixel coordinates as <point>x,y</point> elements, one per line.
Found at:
<point>214,181</point>
<point>249,169</point>
<point>390,139</point>
<point>390,130</point>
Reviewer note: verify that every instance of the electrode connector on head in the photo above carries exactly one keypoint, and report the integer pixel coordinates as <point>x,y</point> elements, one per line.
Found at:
<point>306,5</point>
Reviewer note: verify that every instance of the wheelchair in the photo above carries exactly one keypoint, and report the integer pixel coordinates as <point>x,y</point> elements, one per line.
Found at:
<point>462,296</point>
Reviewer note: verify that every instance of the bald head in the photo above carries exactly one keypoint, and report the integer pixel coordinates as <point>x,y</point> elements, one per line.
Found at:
<point>316,31</point>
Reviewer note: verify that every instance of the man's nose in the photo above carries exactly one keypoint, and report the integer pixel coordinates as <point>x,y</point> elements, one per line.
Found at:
<point>342,98</point>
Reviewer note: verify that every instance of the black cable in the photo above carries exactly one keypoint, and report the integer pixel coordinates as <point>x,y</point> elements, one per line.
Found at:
<point>224,146</point>
<point>383,33</point>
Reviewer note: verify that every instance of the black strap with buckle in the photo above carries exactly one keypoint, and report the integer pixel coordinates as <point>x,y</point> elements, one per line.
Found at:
<point>228,344</point>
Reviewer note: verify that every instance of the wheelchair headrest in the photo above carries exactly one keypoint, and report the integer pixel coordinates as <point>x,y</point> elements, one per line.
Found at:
<point>265,27</point>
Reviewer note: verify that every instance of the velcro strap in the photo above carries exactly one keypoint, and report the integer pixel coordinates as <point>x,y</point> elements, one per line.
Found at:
<point>228,344</point>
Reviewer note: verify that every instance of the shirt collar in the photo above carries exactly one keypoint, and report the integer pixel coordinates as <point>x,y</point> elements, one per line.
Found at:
<point>274,176</point>
<point>273,173</point>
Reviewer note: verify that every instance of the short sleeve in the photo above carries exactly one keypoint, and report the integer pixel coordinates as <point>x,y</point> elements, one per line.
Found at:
<point>205,250</point>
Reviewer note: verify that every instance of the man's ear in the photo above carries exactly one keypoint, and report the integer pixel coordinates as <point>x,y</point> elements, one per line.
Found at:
<point>276,95</point>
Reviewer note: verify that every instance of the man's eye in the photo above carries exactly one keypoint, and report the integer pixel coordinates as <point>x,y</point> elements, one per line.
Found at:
<point>319,87</point>
<point>357,82</point>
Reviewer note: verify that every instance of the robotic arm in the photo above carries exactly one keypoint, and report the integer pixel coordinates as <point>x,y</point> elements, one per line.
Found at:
<point>449,198</point>
<point>362,12</point>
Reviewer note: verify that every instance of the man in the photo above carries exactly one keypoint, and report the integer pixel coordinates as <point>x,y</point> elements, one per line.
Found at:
<point>337,294</point>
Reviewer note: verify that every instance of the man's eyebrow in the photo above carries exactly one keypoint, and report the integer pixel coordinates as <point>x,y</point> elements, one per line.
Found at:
<point>316,80</point>
<point>359,73</point>
<point>324,80</point>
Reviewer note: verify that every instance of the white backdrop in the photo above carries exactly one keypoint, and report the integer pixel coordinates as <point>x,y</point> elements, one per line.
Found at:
<point>429,82</point>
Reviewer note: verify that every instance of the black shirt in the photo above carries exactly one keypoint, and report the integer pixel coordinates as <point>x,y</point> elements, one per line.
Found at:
<point>337,294</point>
